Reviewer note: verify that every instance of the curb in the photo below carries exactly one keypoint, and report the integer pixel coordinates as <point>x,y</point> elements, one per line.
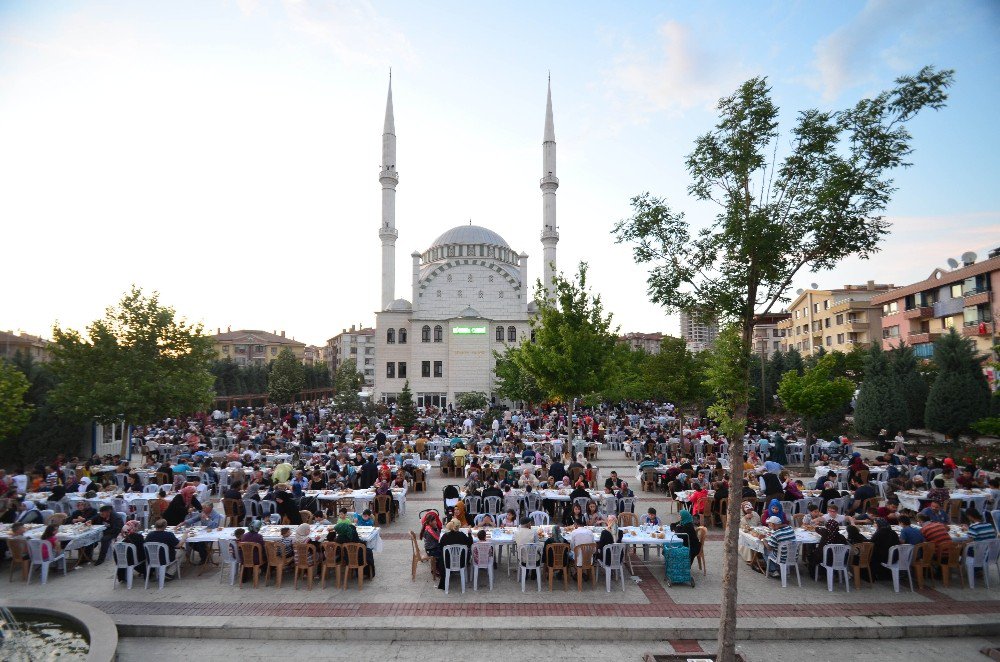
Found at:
<point>101,630</point>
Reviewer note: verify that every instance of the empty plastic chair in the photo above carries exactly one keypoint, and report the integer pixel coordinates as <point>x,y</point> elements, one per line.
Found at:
<point>539,517</point>
<point>483,555</point>
<point>158,558</point>
<point>976,555</point>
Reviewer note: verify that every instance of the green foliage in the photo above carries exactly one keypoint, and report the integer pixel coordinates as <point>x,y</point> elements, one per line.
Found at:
<point>406,413</point>
<point>816,393</point>
<point>347,383</point>
<point>572,355</point>
<point>726,378</point>
<point>513,383</point>
<point>14,411</point>
<point>138,361</point>
<point>880,401</point>
<point>854,363</point>
<point>911,383</point>
<point>317,376</point>
<point>676,374</point>
<point>960,394</point>
<point>287,378</point>
<point>794,362</point>
<point>472,401</point>
<point>628,377</point>
<point>989,427</point>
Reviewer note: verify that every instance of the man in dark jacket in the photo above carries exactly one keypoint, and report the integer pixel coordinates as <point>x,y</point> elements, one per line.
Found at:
<point>368,473</point>
<point>557,471</point>
<point>113,524</point>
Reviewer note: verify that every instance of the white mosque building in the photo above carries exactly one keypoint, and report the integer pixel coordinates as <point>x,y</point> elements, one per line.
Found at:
<point>471,294</point>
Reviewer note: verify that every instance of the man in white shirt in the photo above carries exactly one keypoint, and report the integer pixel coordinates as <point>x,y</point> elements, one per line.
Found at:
<point>580,536</point>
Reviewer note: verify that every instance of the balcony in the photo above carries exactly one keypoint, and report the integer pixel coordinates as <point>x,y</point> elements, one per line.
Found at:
<point>918,338</point>
<point>975,297</point>
<point>972,328</point>
<point>919,312</point>
<point>855,326</point>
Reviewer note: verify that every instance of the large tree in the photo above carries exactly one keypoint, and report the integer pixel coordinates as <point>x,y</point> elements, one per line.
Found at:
<point>816,393</point>
<point>46,434</point>
<point>513,382</point>
<point>911,383</point>
<point>139,362</point>
<point>406,413</point>
<point>960,395</point>
<point>880,401</point>
<point>676,374</point>
<point>287,378</point>
<point>572,354</point>
<point>347,383</point>
<point>15,412</point>
<point>820,203</point>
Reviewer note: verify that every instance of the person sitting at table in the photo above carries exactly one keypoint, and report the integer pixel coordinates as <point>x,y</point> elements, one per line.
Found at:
<point>813,516</point>
<point>458,513</point>
<point>889,511</point>
<point>557,470</point>
<point>829,492</point>
<point>131,535</point>
<point>25,512</point>
<point>909,535</point>
<point>49,535</point>
<point>793,491</point>
<point>525,534</point>
<point>161,535</point>
<point>592,516</point>
<point>685,526</point>
<point>774,509</point>
<point>453,536</point>
<point>287,508</point>
<point>610,534</point>
<point>750,517</point>
<point>16,531</point>
<point>829,534</point>
<point>967,481</point>
<point>579,491</point>
<point>939,492</point>
<point>883,538</point>
<point>206,517</point>
<point>182,505</point>
<point>979,529</point>
<point>430,534</point>
<point>527,479</point>
<point>555,538</point>
<point>492,490</point>
<point>863,490</point>
<point>935,513</point>
<point>510,518</point>
<point>487,521</point>
<point>113,524</point>
<point>650,518</point>
<point>613,481</point>
<point>770,486</point>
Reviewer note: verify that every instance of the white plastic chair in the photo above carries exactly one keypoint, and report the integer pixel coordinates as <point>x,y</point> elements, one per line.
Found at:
<point>478,519</point>
<point>252,509</point>
<point>46,514</point>
<point>539,517</point>
<point>899,560</point>
<point>786,556</point>
<point>120,480</point>
<point>229,555</point>
<point>268,508</point>
<point>610,560</point>
<point>532,501</point>
<point>157,555</point>
<point>472,505</point>
<point>995,516</point>
<point>529,557</point>
<point>835,560</point>
<point>141,507</point>
<point>121,554</point>
<point>452,557</point>
<point>485,553</point>
<point>626,505</point>
<point>977,555</point>
<point>491,505</point>
<point>582,502</point>
<point>151,489</point>
<point>35,547</point>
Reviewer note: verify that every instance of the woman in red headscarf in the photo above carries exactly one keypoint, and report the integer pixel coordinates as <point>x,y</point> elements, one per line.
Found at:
<point>430,533</point>
<point>182,505</point>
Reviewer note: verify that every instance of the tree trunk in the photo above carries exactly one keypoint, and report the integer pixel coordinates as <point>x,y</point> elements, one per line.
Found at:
<point>125,440</point>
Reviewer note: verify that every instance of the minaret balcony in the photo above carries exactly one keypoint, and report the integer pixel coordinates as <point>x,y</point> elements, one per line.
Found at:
<point>387,177</point>
<point>549,182</point>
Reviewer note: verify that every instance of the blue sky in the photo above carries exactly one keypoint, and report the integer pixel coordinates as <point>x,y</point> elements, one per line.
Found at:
<point>226,153</point>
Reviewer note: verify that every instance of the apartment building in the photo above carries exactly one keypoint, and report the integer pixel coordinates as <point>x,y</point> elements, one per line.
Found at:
<point>354,343</point>
<point>254,347</point>
<point>26,344</point>
<point>768,335</point>
<point>699,334</point>
<point>647,342</point>
<point>963,298</point>
<point>836,319</point>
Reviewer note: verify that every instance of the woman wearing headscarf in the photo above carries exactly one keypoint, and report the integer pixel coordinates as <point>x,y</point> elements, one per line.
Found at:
<point>253,536</point>
<point>774,509</point>
<point>287,508</point>
<point>182,505</point>
<point>686,527</point>
<point>459,513</point>
<point>750,517</point>
<point>56,495</point>
<point>829,534</point>
<point>430,534</point>
<point>556,537</point>
<point>130,535</point>
<point>883,538</point>
<point>610,534</point>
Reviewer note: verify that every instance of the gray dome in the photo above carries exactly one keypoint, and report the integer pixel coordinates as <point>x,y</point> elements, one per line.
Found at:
<point>470,234</point>
<point>470,312</point>
<point>399,306</point>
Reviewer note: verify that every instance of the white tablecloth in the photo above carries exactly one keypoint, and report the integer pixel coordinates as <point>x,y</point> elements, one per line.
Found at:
<point>370,536</point>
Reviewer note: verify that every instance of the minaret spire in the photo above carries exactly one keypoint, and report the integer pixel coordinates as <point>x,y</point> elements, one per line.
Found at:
<point>389,178</point>
<point>549,183</point>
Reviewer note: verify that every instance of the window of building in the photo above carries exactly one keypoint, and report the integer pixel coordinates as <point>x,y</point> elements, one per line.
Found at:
<point>815,307</point>
<point>796,314</point>
<point>425,334</point>
<point>840,338</point>
<point>532,335</point>
<point>776,344</point>
<point>401,370</point>
<point>956,291</point>
<point>438,334</point>
<point>354,350</point>
<point>469,278</point>
<point>511,334</point>
<point>402,336</point>
<point>826,304</point>
<point>425,368</point>
<point>439,369</point>
<point>274,351</point>
<point>225,349</point>
<point>948,322</point>
<point>829,340</point>
<point>840,320</point>
<point>390,336</point>
<point>826,323</point>
<point>258,349</point>
<point>390,370</point>
<point>499,334</point>
<point>891,332</point>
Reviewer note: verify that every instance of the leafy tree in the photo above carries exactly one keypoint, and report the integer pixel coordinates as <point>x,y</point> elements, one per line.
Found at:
<point>138,362</point>
<point>628,380</point>
<point>911,383</point>
<point>287,378</point>
<point>14,411</point>
<point>512,381</point>
<point>989,427</point>
<point>472,401</point>
<point>347,383</point>
<point>854,363</point>
<point>725,376</point>
<point>823,202</point>
<point>574,342</point>
<point>960,394</point>
<point>676,374</point>
<point>794,362</point>
<point>816,393</point>
<point>880,401</point>
<point>406,413</point>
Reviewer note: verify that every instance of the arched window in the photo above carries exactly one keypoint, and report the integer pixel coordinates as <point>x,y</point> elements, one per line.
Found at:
<point>499,334</point>
<point>402,336</point>
<point>425,334</point>
<point>511,334</point>
<point>390,336</point>
<point>438,334</point>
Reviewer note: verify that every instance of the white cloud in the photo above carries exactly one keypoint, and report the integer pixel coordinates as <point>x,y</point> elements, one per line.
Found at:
<point>677,75</point>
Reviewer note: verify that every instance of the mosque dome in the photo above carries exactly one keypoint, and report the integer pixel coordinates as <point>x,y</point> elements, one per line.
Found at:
<point>470,234</point>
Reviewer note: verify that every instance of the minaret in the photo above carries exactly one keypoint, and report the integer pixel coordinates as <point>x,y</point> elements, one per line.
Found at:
<point>549,183</point>
<point>389,178</point>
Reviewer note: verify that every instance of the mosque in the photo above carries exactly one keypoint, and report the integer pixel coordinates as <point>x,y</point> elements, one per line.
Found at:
<point>471,294</point>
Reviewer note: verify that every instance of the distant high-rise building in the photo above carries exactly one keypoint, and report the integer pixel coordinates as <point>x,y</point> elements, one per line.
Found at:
<point>698,334</point>
<point>353,344</point>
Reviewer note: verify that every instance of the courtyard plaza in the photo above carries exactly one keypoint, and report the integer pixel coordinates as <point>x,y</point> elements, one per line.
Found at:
<point>648,614</point>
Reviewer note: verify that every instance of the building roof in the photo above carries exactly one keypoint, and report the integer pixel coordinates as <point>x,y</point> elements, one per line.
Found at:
<point>470,234</point>
<point>399,306</point>
<point>470,312</point>
<point>770,318</point>
<point>636,335</point>
<point>254,335</point>
<point>10,336</point>
<point>939,278</point>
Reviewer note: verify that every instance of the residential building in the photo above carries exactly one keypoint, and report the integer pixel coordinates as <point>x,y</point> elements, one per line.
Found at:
<point>964,299</point>
<point>768,336</point>
<point>253,347</point>
<point>700,334</point>
<point>312,355</point>
<point>647,342</point>
<point>353,344</point>
<point>833,319</point>
<point>28,345</point>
